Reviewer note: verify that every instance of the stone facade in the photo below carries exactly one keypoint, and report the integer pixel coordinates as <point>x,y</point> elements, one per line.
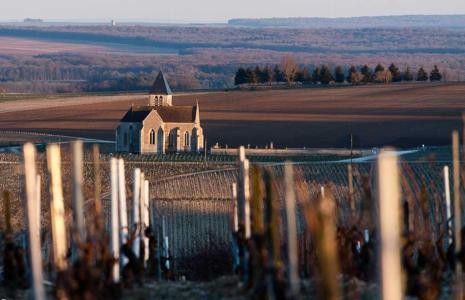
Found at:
<point>160,127</point>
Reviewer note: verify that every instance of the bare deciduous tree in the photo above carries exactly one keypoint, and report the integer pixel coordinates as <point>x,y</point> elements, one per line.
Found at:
<point>289,68</point>
<point>356,77</point>
<point>383,76</point>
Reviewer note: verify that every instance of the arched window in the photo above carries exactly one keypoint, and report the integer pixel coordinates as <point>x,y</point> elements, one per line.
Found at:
<point>186,139</point>
<point>152,137</point>
<point>172,140</point>
<point>161,100</point>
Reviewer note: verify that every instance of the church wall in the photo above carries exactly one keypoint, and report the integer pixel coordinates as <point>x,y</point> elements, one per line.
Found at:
<point>127,140</point>
<point>151,122</point>
<point>183,127</point>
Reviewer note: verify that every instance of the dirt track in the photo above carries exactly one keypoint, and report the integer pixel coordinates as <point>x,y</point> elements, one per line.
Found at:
<point>403,115</point>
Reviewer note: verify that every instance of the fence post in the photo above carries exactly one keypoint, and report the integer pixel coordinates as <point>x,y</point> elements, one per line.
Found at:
<point>33,218</point>
<point>389,227</point>
<point>244,210</point>
<point>235,229</point>
<point>244,203</point>
<point>457,214</point>
<point>57,210</point>
<point>291,226</point>
<point>123,212</point>
<point>235,218</point>
<point>166,247</point>
<point>78,199</point>
<point>448,204</point>
<point>114,235</point>
<point>136,210</point>
<point>350,175</point>
<point>38,202</point>
<point>146,219</point>
<point>97,189</point>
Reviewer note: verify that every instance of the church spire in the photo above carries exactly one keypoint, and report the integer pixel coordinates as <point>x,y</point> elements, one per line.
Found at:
<point>160,94</point>
<point>160,86</point>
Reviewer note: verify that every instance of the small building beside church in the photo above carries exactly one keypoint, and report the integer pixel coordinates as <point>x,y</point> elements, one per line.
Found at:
<point>160,127</point>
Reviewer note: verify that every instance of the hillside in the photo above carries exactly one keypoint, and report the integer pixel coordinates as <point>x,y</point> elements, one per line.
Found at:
<point>95,58</point>
<point>430,21</point>
<point>403,115</point>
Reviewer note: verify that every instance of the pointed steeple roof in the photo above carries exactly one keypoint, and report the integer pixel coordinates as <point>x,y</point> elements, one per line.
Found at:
<point>160,86</point>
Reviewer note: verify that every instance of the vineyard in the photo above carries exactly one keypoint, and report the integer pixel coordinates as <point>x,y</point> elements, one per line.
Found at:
<point>260,229</point>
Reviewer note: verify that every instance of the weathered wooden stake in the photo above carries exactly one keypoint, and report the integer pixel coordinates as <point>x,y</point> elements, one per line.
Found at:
<point>389,227</point>
<point>33,219</point>
<point>136,210</point>
<point>235,229</point>
<point>235,217</point>
<point>38,202</point>
<point>350,176</point>
<point>244,203</point>
<point>292,251</point>
<point>166,246</point>
<point>114,222</point>
<point>146,218</point>
<point>78,198</point>
<point>457,214</point>
<point>57,210</point>
<point>97,183</point>
<point>448,204</point>
<point>123,212</point>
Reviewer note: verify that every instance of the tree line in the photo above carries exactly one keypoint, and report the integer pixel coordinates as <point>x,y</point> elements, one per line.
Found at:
<point>289,72</point>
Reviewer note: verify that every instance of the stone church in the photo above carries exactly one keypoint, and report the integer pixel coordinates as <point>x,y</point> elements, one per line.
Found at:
<point>160,127</point>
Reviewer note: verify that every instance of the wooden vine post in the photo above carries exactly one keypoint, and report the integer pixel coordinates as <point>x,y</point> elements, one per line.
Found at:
<point>32,181</point>
<point>123,212</point>
<point>457,215</point>
<point>448,204</point>
<point>114,219</point>
<point>235,229</point>
<point>78,198</point>
<point>146,219</point>
<point>57,210</point>
<point>244,211</point>
<point>136,210</point>
<point>389,225</point>
<point>291,226</point>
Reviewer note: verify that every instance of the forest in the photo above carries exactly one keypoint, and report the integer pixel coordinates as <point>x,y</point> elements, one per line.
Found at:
<point>195,57</point>
<point>289,72</point>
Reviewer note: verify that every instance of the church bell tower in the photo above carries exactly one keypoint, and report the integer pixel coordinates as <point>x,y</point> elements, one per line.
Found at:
<point>160,94</point>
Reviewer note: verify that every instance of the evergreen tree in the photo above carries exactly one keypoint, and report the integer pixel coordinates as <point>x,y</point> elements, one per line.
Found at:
<point>250,76</point>
<point>278,74</point>
<point>379,68</point>
<point>325,75</point>
<point>267,74</point>
<point>408,76</point>
<point>303,76</point>
<point>367,73</point>
<point>352,70</point>
<point>435,74</point>
<point>258,75</point>
<point>316,75</point>
<point>396,75</point>
<point>240,77</point>
<point>422,75</point>
<point>339,74</point>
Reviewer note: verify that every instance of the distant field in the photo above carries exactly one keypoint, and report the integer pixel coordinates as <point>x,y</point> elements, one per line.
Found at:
<point>404,115</point>
<point>32,46</point>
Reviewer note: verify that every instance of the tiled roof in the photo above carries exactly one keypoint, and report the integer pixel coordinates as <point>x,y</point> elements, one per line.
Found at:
<point>160,86</point>
<point>169,114</point>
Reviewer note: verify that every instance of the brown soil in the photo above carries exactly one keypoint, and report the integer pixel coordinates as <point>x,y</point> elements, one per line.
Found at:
<point>403,115</point>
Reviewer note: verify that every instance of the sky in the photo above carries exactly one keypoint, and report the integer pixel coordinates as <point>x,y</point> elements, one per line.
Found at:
<point>217,10</point>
